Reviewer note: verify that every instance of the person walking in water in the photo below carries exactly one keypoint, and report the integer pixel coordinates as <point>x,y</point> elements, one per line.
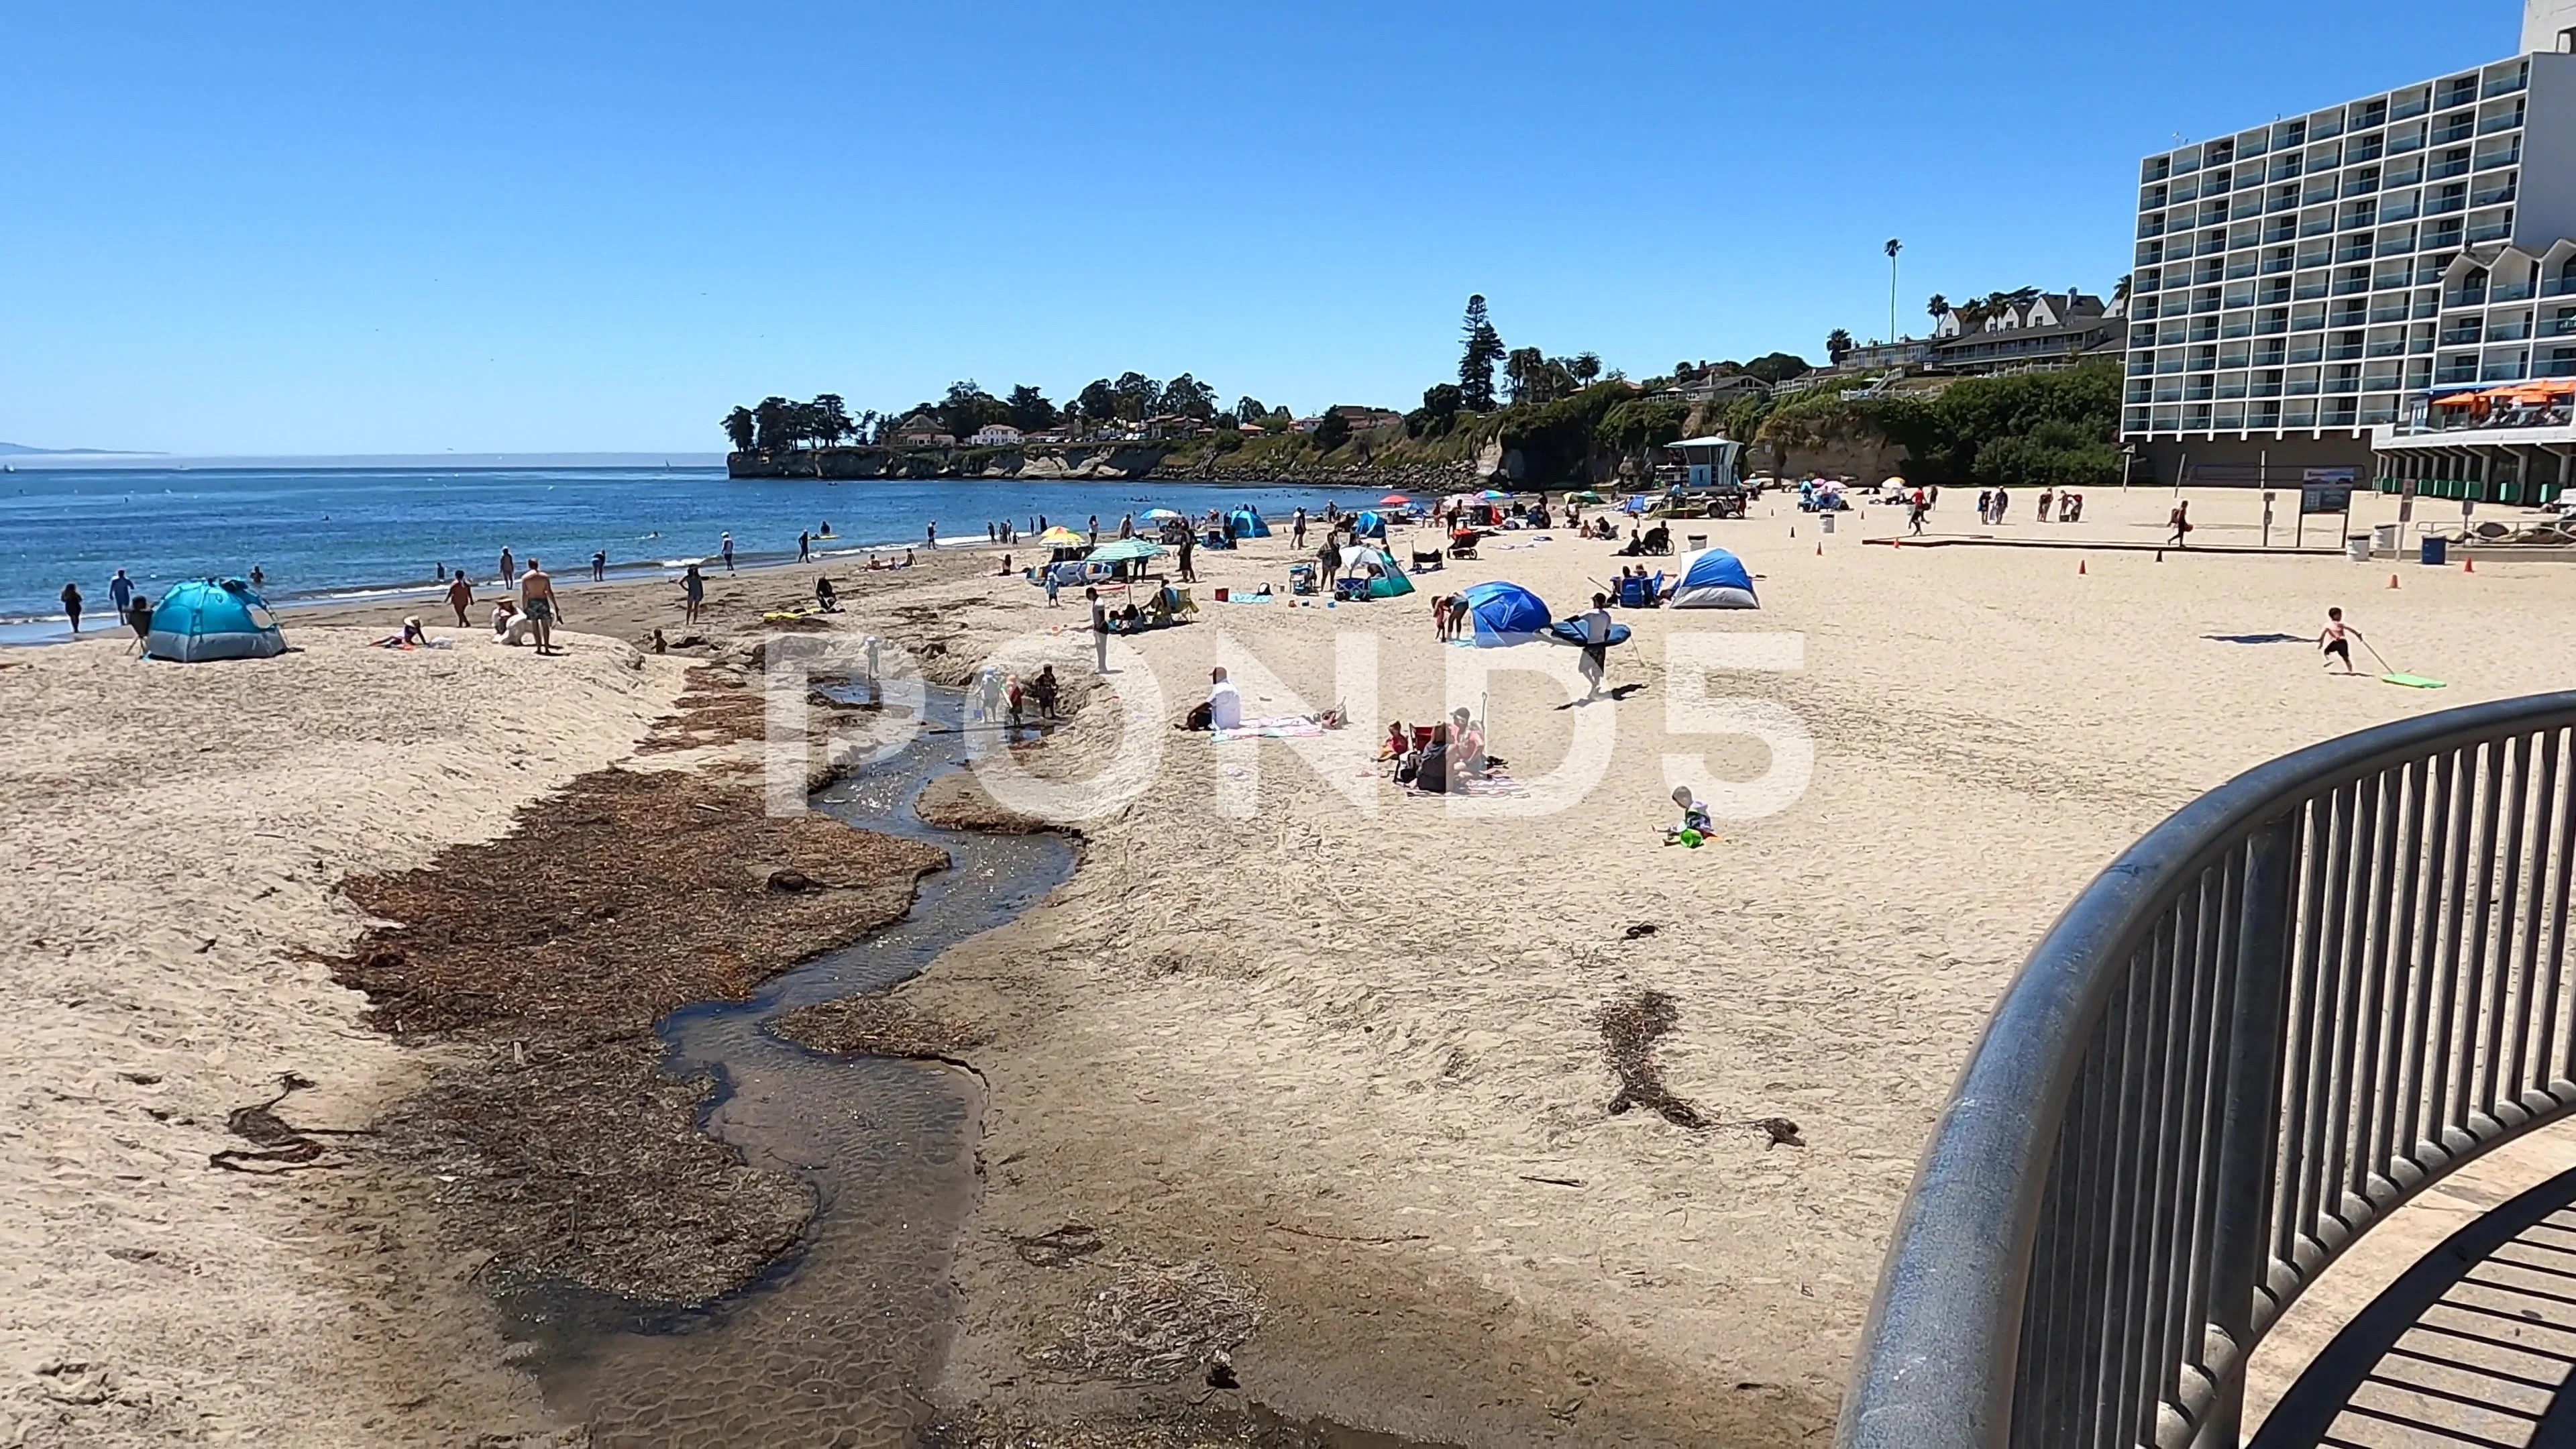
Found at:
<point>509,568</point>
<point>120,592</point>
<point>726,548</point>
<point>72,606</point>
<point>537,603</point>
<point>460,596</point>
<point>2336,642</point>
<point>599,566</point>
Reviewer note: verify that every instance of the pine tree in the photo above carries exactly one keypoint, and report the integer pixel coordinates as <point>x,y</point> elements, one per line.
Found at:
<point>1476,367</point>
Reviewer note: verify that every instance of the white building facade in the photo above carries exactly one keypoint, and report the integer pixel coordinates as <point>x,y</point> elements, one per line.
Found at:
<point>2301,284</point>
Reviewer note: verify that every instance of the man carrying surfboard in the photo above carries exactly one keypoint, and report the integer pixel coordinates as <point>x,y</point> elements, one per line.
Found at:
<point>1596,641</point>
<point>2336,641</point>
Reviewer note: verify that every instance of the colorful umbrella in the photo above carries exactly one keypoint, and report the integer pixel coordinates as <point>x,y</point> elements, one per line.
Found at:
<point>1061,537</point>
<point>1392,499</point>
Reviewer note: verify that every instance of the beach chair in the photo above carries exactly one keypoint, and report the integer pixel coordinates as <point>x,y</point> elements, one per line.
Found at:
<point>1302,579</point>
<point>1183,605</point>
<point>1632,592</point>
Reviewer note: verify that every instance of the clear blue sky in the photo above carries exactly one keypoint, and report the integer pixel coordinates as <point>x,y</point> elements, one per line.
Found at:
<point>533,226</point>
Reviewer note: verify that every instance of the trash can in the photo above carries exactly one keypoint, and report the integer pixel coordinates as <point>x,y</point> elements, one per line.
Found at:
<point>1829,522</point>
<point>2357,547</point>
<point>2437,551</point>
<point>1698,541</point>
<point>2388,538</point>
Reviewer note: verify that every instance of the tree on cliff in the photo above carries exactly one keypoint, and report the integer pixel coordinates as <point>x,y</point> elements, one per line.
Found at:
<point>743,428</point>
<point>1438,413</point>
<point>1188,397</point>
<point>1476,366</point>
<point>1939,306</point>
<point>774,423</point>
<point>1838,345</point>
<point>1249,410</point>
<point>1137,395</point>
<point>831,420</point>
<point>1332,430</point>
<point>1098,400</point>
<point>1029,409</point>
<point>968,408</point>
<point>1777,367</point>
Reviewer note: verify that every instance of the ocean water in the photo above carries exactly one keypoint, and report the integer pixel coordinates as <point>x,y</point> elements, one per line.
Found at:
<point>341,533</point>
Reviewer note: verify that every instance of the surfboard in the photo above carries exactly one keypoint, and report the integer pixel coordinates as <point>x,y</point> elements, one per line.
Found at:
<point>1570,631</point>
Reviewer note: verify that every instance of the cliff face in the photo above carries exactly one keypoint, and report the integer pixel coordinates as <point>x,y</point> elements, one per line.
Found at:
<point>1836,443</point>
<point>1108,462</point>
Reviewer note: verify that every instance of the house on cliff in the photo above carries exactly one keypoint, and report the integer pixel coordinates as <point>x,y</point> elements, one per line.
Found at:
<point>997,435</point>
<point>921,430</point>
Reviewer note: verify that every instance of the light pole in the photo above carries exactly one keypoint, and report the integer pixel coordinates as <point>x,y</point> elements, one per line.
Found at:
<point>1893,247</point>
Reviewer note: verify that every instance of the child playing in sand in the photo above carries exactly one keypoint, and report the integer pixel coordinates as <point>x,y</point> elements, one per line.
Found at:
<point>1696,822</point>
<point>2336,641</point>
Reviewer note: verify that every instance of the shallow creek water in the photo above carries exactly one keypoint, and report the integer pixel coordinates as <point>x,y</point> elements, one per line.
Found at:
<point>835,1344</point>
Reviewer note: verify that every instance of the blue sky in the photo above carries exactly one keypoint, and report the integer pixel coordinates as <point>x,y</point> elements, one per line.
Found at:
<point>530,226</point>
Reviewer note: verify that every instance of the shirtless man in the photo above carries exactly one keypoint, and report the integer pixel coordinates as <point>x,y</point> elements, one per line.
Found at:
<point>537,601</point>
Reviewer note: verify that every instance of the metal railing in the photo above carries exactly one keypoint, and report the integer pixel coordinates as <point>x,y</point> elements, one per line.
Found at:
<point>2307,996</point>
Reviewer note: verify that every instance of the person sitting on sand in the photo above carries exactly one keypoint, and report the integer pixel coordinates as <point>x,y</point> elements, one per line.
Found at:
<point>1398,743</point>
<point>1005,570</point>
<point>1469,742</point>
<point>503,613</point>
<point>826,597</point>
<point>1696,817</point>
<point>1225,702</point>
<point>1431,772</point>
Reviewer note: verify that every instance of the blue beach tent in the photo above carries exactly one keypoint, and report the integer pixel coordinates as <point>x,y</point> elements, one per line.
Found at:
<point>1246,523</point>
<point>1368,525</point>
<point>1506,614</point>
<point>212,619</point>
<point>1714,579</point>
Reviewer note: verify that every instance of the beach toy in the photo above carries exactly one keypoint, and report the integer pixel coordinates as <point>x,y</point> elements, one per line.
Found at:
<point>1693,839</point>
<point>2398,678</point>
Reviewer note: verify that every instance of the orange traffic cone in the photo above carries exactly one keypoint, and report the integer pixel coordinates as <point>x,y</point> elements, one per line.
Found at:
<point>2392,581</point>
<point>2468,565</point>
<point>1820,550</point>
<point>2160,555</point>
<point>2079,568</point>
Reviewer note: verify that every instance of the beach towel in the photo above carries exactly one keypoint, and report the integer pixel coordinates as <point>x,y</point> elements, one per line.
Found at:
<point>1283,727</point>
<point>1489,787</point>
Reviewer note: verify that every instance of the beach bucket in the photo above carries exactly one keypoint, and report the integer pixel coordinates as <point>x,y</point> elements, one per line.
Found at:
<point>1224,594</point>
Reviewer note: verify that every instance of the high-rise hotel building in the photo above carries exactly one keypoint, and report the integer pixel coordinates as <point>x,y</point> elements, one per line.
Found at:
<point>2301,283</point>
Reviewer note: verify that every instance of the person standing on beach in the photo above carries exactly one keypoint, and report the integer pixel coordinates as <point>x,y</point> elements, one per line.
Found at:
<point>1189,575</point>
<point>2336,641</point>
<point>726,548</point>
<point>930,534</point>
<point>804,547</point>
<point>1095,530</point>
<point>2003,504</point>
<point>72,606</point>
<point>537,603</point>
<point>1099,632</point>
<point>1596,642</point>
<point>509,568</point>
<point>120,592</point>
<point>599,566</point>
<point>460,596</point>
<point>1299,527</point>
<point>2180,522</point>
<point>1052,584</point>
<point>1044,687</point>
<point>694,585</point>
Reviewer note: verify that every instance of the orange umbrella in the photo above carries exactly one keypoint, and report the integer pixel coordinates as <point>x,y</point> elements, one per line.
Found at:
<point>1393,498</point>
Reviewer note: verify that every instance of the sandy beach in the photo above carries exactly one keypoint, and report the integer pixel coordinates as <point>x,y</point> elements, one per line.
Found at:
<point>1320,1071</point>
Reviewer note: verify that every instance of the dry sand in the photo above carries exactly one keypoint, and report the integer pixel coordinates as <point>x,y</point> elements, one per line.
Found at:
<point>1350,1052</point>
<point>175,834</point>
<point>1330,1061</point>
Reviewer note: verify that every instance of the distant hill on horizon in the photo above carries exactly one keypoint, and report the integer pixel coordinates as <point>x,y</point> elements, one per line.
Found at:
<point>22,450</point>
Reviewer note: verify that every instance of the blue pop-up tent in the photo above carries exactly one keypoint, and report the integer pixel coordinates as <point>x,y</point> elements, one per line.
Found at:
<point>1714,579</point>
<point>1506,614</point>
<point>213,619</point>
<point>1368,525</point>
<point>1246,523</point>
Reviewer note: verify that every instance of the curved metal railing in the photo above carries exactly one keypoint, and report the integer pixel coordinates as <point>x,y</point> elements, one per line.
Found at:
<point>2304,998</point>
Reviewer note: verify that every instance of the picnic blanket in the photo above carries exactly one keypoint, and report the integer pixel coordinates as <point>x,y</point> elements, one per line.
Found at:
<point>1489,787</point>
<point>1284,727</point>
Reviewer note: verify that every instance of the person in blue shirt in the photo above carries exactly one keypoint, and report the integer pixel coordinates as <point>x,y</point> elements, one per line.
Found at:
<point>120,591</point>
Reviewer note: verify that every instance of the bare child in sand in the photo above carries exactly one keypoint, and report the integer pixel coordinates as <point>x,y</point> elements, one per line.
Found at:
<point>2336,641</point>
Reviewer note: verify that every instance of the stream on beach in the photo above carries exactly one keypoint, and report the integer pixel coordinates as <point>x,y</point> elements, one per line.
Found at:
<point>837,1342</point>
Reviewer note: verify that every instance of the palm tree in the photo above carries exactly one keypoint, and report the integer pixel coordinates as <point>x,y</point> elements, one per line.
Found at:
<point>1585,367</point>
<point>1838,345</point>
<point>2120,293</point>
<point>1939,306</point>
